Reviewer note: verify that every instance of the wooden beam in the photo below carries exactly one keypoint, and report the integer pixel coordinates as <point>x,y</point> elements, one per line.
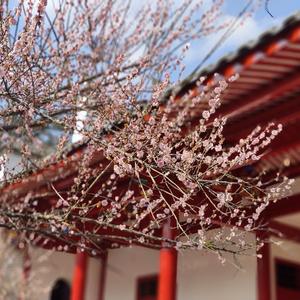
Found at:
<point>282,207</point>
<point>295,35</point>
<point>276,89</point>
<point>285,231</point>
<point>286,112</point>
<point>292,171</point>
<point>283,144</point>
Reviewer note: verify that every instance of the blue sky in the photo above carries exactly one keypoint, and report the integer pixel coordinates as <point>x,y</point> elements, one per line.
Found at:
<point>253,27</point>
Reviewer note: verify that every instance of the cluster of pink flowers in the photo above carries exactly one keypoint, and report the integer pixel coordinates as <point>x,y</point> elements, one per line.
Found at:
<point>148,155</point>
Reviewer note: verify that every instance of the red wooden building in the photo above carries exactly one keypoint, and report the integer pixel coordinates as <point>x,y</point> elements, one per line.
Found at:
<point>268,89</point>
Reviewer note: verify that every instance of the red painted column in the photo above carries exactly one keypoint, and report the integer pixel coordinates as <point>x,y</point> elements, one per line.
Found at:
<point>26,272</point>
<point>167,267</point>
<point>26,264</point>
<point>103,276</point>
<point>79,276</point>
<point>264,273</point>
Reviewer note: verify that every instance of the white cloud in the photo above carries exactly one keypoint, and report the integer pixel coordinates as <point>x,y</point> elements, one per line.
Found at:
<point>249,30</point>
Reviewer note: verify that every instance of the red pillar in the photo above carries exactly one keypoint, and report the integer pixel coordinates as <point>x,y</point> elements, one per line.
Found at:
<point>103,276</point>
<point>26,272</point>
<point>26,264</point>
<point>264,273</point>
<point>168,267</point>
<point>79,276</point>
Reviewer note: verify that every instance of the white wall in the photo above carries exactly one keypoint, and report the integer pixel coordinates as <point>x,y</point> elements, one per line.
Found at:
<point>56,265</point>
<point>123,268</point>
<point>200,275</point>
<point>93,279</point>
<point>47,267</point>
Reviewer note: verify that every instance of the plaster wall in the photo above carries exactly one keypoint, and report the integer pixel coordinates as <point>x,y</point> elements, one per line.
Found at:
<point>200,275</point>
<point>57,265</point>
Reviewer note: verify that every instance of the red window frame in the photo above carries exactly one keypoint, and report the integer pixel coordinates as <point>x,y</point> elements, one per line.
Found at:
<point>282,292</point>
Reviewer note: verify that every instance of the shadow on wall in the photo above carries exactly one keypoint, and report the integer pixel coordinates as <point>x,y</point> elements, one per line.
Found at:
<point>60,290</point>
